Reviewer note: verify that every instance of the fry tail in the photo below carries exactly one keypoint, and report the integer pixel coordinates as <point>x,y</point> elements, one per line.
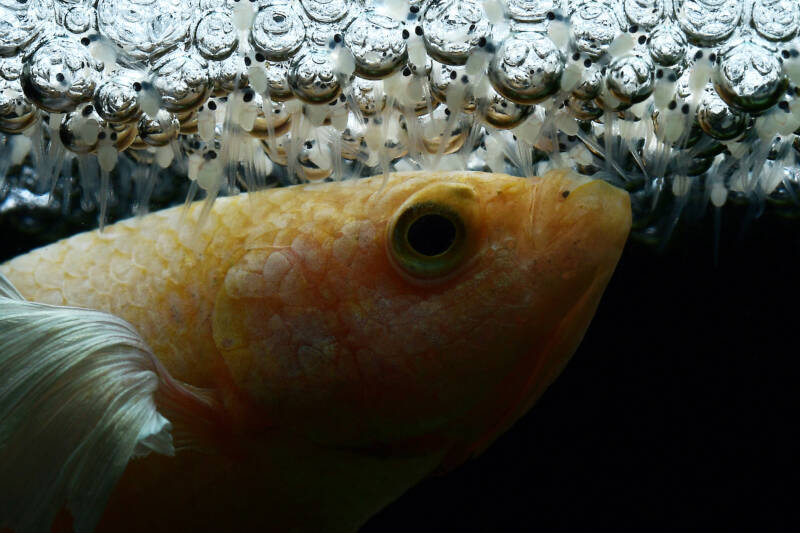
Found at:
<point>76,404</point>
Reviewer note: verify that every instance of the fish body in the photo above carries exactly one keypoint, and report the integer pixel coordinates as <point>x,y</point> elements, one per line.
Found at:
<point>338,342</point>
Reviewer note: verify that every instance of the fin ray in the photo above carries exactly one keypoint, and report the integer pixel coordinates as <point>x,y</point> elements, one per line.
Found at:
<point>8,290</point>
<point>77,402</point>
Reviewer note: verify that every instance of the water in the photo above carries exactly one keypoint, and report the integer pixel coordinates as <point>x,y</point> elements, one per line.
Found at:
<point>658,92</point>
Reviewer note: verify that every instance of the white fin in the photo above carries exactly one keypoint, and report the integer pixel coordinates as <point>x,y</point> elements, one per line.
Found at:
<point>7,290</point>
<point>76,404</point>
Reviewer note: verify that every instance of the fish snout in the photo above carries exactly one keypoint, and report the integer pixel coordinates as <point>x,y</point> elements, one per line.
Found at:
<point>577,228</point>
<point>573,210</point>
<point>606,208</point>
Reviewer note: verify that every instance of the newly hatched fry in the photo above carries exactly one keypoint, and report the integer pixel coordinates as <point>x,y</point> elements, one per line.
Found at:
<point>318,349</point>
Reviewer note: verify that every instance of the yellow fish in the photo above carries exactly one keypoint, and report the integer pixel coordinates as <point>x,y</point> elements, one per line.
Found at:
<point>299,359</point>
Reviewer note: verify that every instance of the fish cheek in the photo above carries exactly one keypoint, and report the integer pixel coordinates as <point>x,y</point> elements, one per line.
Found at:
<point>248,330</point>
<point>279,337</point>
<point>232,337</point>
<point>539,347</point>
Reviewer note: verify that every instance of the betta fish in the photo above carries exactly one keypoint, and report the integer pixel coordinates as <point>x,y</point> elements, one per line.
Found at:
<point>298,358</point>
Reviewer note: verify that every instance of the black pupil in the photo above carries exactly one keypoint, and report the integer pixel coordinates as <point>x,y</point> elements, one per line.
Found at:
<point>431,234</point>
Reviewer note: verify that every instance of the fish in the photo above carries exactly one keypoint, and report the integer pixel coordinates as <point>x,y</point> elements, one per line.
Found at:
<point>300,358</point>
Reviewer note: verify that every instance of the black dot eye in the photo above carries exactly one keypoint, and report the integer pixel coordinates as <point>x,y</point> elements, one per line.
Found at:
<point>431,235</point>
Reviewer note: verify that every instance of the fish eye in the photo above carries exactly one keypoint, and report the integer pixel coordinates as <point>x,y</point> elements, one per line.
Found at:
<point>430,237</point>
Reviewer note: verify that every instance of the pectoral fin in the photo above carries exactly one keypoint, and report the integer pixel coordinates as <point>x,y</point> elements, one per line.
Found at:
<point>76,404</point>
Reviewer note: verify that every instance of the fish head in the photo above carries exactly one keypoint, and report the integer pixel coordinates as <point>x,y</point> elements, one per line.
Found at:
<point>422,313</point>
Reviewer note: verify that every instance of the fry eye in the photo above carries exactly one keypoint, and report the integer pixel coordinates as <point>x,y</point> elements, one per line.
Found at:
<point>429,240</point>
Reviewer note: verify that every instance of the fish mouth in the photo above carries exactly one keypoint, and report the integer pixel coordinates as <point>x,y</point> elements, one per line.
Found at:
<point>609,206</point>
<point>566,206</point>
<point>612,202</point>
<point>605,220</point>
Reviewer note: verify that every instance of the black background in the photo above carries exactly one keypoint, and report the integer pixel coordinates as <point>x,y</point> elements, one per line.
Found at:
<point>678,411</point>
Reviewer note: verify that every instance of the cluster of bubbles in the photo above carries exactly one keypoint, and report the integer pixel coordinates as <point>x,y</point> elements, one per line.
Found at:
<point>679,101</point>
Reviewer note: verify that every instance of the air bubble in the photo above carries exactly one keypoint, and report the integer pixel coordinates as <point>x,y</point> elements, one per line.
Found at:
<point>527,68</point>
<point>312,77</point>
<point>452,29</point>
<point>633,88</point>
<point>376,44</point>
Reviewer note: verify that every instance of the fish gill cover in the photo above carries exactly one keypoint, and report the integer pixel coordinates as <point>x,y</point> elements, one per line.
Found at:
<point>115,107</point>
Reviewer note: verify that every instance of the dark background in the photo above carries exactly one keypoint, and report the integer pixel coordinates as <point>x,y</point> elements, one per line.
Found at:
<point>678,411</point>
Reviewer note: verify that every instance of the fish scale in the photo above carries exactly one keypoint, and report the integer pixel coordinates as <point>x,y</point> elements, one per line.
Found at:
<point>308,372</point>
<point>165,255</point>
<point>160,292</point>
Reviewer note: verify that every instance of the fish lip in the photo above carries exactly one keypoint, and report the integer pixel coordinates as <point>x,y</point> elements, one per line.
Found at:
<point>609,191</point>
<point>563,201</point>
<point>615,206</point>
<point>594,188</point>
